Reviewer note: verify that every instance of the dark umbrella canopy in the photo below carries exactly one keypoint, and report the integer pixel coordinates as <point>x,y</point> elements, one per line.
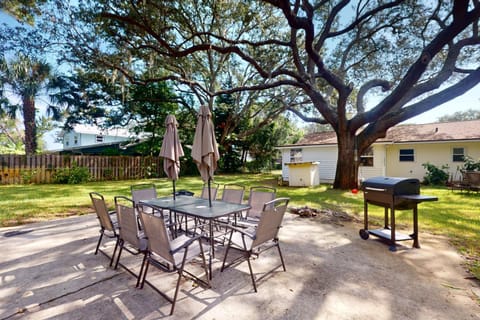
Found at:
<point>171,150</point>
<point>204,149</point>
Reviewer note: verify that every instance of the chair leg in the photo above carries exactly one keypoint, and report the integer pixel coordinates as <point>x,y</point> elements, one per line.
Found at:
<point>99,241</point>
<point>114,251</point>
<point>142,282</point>
<point>121,243</point>
<point>226,251</point>
<point>180,272</point>
<point>251,271</point>
<point>207,272</point>
<point>141,270</point>
<point>281,256</point>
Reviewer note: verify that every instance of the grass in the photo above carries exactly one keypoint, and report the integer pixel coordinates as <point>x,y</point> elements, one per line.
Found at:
<point>456,215</point>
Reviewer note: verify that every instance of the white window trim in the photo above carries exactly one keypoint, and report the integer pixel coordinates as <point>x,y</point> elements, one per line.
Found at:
<point>463,155</point>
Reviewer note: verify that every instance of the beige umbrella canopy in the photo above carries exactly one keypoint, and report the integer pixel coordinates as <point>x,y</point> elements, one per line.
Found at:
<point>171,150</point>
<point>204,148</point>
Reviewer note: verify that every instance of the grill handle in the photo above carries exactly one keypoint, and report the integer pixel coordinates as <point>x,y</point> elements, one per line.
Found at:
<point>375,189</point>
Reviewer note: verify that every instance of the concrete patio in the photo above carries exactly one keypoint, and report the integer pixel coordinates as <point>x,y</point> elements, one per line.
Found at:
<point>48,271</point>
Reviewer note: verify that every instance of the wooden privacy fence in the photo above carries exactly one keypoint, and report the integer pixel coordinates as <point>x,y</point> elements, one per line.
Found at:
<point>17,169</point>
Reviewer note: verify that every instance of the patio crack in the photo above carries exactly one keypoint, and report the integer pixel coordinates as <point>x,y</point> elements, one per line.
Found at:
<point>24,310</point>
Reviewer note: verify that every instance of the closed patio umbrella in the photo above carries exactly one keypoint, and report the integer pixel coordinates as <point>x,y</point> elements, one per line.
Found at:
<point>204,148</point>
<point>171,150</point>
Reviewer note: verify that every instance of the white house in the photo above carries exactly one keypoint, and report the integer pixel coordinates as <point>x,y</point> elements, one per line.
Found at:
<point>84,135</point>
<point>400,154</point>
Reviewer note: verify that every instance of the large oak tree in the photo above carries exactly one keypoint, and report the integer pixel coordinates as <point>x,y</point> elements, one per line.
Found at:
<point>322,60</point>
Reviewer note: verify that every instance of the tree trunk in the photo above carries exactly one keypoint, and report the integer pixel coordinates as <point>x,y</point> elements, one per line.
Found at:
<point>346,176</point>
<point>30,125</point>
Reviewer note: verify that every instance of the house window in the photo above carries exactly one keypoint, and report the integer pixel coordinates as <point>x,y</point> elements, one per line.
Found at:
<point>407,155</point>
<point>458,154</point>
<point>366,159</point>
<point>295,155</point>
<point>75,140</point>
<point>99,138</point>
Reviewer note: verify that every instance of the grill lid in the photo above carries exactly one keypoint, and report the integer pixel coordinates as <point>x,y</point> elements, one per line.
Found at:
<point>392,185</point>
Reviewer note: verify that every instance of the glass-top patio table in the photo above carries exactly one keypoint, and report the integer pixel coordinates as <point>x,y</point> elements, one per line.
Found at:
<point>199,208</point>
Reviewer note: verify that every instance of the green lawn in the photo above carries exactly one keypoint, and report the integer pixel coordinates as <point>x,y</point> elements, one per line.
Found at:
<point>456,215</point>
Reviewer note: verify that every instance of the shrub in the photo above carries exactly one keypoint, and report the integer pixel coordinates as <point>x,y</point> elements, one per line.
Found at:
<point>435,175</point>
<point>470,165</point>
<point>73,175</point>
<point>28,175</point>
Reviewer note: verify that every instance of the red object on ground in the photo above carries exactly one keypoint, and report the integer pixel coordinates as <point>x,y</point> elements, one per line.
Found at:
<point>354,191</point>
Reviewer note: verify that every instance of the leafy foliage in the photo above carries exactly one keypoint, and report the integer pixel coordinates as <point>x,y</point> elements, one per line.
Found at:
<point>435,176</point>
<point>24,10</point>
<point>73,175</point>
<point>319,60</point>
<point>469,164</point>
<point>11,137</point>
<point>461,116</point>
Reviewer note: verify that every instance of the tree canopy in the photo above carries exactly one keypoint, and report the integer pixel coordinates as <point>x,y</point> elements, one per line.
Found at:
<point>324,61</point>
<point>470,114</point>
<point>22,10</point>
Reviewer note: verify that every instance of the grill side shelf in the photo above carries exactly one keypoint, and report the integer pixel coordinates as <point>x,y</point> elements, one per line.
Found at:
<point>417,198</point>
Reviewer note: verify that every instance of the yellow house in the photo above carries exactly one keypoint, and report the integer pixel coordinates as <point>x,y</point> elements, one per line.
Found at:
<point>400,154</point>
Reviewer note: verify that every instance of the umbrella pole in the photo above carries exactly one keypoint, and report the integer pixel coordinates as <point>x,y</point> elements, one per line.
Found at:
<point>174,192</point>
<point>209,192</point>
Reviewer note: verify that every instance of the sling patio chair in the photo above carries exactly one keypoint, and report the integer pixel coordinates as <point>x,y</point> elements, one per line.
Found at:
<point>130,237</point>
<point>108,226</point>
<point>232,193</point>
<point>253,241</point>
<point>176,253</point>
<point>213,191</point>
<point>143,191</point>
<point>148,191</point>
<point>258,196</point>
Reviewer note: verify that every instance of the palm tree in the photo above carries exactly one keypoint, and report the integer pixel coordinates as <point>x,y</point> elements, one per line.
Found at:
<point>26,78</point>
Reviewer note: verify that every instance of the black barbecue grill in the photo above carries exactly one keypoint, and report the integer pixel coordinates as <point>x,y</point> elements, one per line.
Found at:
<point>394,194</point>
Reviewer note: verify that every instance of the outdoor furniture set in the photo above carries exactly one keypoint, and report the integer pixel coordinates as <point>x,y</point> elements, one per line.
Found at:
<point>470,181</point>
<point>158,228</point>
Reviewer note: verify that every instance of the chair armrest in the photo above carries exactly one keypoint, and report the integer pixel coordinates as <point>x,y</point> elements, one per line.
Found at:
<point>243,231</point>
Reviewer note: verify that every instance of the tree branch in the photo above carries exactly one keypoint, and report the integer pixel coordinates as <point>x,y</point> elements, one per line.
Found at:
<point>385,85</point>
<point>393,101</point>
<point>307,119</point>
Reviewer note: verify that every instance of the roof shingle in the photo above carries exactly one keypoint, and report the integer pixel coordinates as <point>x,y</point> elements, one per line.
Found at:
<point>429,132</point>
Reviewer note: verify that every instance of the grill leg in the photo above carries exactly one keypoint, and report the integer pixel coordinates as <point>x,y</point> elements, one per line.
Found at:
<point>393,245</point>
<point>365,211</point>
<point>386,218</point>
<point>415,228</point>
